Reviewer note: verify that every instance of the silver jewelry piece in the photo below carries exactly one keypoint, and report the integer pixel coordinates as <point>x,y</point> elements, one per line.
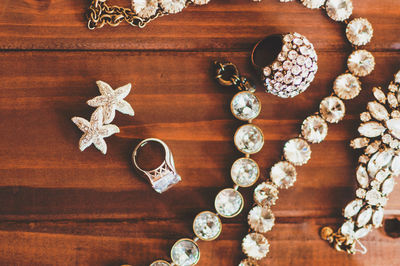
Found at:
<point>163,177</point>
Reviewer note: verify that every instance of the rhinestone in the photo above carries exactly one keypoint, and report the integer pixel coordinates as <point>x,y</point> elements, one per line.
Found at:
<point>267,71</point>
<point>394,127</point>
<point>245,106</point>
<point>292,55</point>
<point>388,186</point>
<point>160,263</point>
<point>373,197</point>
<point>248,262</point>
<point>360,233</point>
<point>255,246</point>
<point>394,144</point>
<point>276,65</point>
<point>361,63</point>
<point>365,117</point>
<point>397,77</point>
<point>249,139</point>
<point>332,109</point>
<point>245,172</point>
<point>364,217</point>
<point>261,219</point>
<point>185,252</point>
<point>359,31</point>
<point>372,148</point>
<point>378,111</point>
<point>382,175</point>
<point>312,4</point>
<point>379,95</point>
<point>314,129</point>
<point>283,174</point>
<point>377,217</point>
<point>265,194</point>
<point>392,100</point>
<point>297,151</point>
<point>395,114</point>
<point>362,176</point>
<point>297,80</point>
<point>360,193</point>
<point>296,70</point>
<point>229,202</point>
<point>339,10</point>
<point>359,143</point>
<point>352,208</point>
<point>301,60</point>
<point>371,129</point>
<point>363,159</point>
<point>386,138</point>
<point>393,87</point>
<point>347,86</point>
<point>288,79</point>
<point>207,226</point>
<point>395,166</point>
<point>347,228</point>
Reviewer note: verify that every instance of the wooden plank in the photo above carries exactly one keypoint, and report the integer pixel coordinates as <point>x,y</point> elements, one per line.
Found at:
<point>220,25</point>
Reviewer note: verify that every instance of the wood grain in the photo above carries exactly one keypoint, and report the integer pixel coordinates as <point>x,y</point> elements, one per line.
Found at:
<point>63,207</point>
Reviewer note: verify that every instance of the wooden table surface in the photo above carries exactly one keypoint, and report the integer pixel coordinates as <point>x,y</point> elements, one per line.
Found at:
<point>60,206</point>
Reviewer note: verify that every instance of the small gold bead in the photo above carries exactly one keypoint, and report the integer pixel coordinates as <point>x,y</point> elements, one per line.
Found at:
<point>326,232</point>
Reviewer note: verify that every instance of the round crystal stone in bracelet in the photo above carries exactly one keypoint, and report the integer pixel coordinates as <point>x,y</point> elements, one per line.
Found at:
<point>313,4</point>
<point>207,226</point>
<point>359,31</point>
<point>185,252</point>
<point>255,246</point>
<point>314,129</point>
<point>332,109</point>
<point>347,86</point>
<point>361,63</point>
<point>249,139</point>
<point>283,174</point>
<point>248,262</point>
<point>297,151</point>
<point>245,106</point>
<point>229,202</point>
<point>245,172</point>
<point>339,10</point>
<point>160,263</point>
<point>261,219</point>
<point>265,194</point>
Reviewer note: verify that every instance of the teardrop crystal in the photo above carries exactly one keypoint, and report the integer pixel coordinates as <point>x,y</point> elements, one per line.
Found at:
<point>360,233</point>
<point>377,217</point>
<point>388,186</point>
<point>364,217</point>
<point>347,228</point>
<point>394,127</point>
<point>378,111</point>
<point>379,94</point>
<point>353,208</point>
<point>362,176</point>
<point>371,129</point>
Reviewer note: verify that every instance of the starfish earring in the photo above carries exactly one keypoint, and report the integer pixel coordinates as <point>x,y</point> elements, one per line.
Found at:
<point>111,100</point>
<point>94,131</point>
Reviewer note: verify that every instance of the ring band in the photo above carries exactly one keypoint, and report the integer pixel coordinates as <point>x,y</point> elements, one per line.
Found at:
<point>163,177</point>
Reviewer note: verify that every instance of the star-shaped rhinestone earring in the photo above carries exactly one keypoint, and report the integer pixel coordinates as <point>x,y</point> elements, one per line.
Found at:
<point>94,131</point>
<point>111,100</point>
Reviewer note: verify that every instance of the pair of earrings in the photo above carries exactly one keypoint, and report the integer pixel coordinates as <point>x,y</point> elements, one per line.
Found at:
<point>99,126</point>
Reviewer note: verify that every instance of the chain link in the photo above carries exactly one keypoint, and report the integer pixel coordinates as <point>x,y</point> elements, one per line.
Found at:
<point>227,74</point>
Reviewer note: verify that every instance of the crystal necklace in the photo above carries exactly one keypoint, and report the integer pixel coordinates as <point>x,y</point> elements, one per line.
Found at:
<point>296,152</point>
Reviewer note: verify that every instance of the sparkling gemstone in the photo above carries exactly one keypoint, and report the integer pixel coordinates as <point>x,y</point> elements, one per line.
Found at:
<point>359,143</point>
<point>245,172</point>
<point>365,116</point>
<point>297,151</point>
<point>339,10</point>
<point>296,70</point>
<point>386,138</point>
<point>245,106</point>
<point>361,63</point>
<point>373,197</point>
<point>255,246</point>
<point>378,111</point>
<point>261,219</point>
<point>312,4</point>
<point>362,176</point>
<point>388,186</point>
<point>265,194</point>
<point>248,262</point>
<point>395,166</point>
<point>249,139</point>
<point>392,100</point>
<point>229,202</point>
<point>360,233</point>
<point>382,175</point>
<point>347,86</point>
<point>267,71</point>
<point>393,87</point>
<point>377,217</point>
<point>160,263</point>
<point>363,159</point>
<point>347,228</point>
<point>397,77</point>
<point>314,129</point>
<point>185,252</point>
<point>360,193</point>
<point>395,114</point>
<point>371,129</point>
<point>373,147</point>
<point>353,208</point>
<point>287,65</point>
<point>394,127</point>
<point>283,174</point>
<point>364,216</point>
<point>359,31</point>
<point>292,55</point>
<point>332,109</point>
<point>378,161</point>
<point>379,95</point>
<point>207,226</point>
